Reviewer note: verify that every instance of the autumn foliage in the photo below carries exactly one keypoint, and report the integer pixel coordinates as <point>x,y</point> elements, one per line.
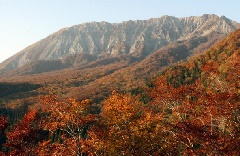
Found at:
<point>128,128</point>
<point>70,120</point>
<point>24,136</point>
<point>191,108</point>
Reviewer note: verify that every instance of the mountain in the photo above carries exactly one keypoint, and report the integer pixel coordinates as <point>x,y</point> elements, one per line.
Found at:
<point>136,74</point>
<point>135,38</point>
<point>191,107</point>
<point>94,76</point>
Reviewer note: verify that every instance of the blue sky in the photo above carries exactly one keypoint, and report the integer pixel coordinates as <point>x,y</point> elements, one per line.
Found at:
<point>24,22</point>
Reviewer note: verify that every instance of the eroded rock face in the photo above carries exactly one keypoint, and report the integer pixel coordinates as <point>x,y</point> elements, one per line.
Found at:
<point>137,38</point>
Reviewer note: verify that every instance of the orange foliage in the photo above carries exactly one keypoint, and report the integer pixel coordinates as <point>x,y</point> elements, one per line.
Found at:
<point>23,138</point>
<point>128,128</point>
<point>72,118</point>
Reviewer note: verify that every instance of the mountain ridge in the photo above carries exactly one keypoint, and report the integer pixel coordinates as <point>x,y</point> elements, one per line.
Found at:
<point>136,38</point>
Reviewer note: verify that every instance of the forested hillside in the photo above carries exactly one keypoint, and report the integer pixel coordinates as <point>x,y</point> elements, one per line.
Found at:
<point>191,108</point>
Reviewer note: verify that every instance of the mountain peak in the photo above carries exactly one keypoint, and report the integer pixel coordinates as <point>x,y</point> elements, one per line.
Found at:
<point>136,38</point>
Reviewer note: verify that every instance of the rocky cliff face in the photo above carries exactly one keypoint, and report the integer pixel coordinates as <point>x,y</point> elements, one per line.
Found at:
<point>136,38</point>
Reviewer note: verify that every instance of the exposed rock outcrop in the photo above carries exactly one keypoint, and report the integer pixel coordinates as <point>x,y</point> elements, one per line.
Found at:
<point>136,38</point>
